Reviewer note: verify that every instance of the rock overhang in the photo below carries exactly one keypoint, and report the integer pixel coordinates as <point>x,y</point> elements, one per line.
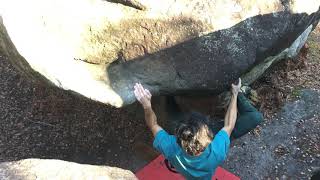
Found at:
<point>86,46</point>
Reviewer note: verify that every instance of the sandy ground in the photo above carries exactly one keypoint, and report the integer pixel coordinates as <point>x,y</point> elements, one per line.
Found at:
<point>45,122</point>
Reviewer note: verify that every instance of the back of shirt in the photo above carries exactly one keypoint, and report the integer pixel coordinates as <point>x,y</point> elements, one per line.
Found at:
<point>193,167</point>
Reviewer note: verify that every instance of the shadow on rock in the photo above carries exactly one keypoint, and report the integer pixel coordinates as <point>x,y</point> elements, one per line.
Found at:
<point>210,63</point>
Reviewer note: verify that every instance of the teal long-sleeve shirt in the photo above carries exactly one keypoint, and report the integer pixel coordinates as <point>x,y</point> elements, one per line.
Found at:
<point>193,167</point>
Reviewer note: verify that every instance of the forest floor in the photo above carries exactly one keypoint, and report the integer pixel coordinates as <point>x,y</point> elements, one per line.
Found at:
<point>46,122</point>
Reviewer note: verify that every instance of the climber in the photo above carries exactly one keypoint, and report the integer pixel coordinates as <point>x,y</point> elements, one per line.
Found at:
<point>198,147</point>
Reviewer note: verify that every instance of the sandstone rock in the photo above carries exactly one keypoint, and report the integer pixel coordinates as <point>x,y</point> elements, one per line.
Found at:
<point>31,169</point>
<point>101,48</point>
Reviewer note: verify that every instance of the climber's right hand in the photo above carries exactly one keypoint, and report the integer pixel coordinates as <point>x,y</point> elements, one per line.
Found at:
<point>236,88</point>
<point>143,95</point>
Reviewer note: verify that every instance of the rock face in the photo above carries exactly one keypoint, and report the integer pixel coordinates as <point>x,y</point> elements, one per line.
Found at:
<point>30,169</point>
<point>101,48</point>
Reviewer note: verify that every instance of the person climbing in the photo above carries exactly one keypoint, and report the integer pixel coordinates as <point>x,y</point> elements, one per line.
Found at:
<point>198,146</point>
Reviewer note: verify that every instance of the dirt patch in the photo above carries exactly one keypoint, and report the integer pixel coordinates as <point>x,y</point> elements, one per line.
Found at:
<point>284,81</point>
<point>46,122</point>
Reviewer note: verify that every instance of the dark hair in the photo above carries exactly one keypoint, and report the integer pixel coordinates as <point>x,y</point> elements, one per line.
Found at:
<point>194,135</point>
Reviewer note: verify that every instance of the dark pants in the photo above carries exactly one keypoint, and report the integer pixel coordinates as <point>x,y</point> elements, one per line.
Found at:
<point>248,117</point>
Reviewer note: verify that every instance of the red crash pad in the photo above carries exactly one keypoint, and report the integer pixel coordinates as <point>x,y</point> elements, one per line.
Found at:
<point>157,170</point>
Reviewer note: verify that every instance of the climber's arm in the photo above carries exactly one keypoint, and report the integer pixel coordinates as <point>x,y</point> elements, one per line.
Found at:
<point>151,121</point>
<point>231,115</point>
<point>144,97</point>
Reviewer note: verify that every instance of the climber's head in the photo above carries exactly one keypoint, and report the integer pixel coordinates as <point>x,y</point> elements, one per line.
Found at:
<point>194,135</point>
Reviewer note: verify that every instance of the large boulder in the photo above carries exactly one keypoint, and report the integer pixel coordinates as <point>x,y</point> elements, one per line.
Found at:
<point>101,48</point>
<point>30,169</point>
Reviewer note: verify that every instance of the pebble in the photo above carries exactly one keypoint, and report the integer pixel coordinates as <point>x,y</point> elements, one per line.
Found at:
<point>312,159</point>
